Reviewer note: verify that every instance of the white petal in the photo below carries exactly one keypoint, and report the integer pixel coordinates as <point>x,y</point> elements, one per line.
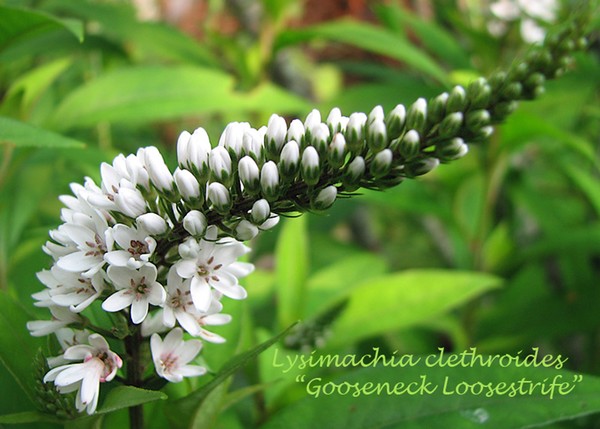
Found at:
<point>240,269</point>
<point>117,258</point>
<point>191,370</point>
<point>232,291</point>
<point>118,300</point>
<point>172,340</point>
<point>156,294</point>
<point>72,374</point>
<point>211,337</point>
<point>201,295</point>
<point>188,322</point>
<point>217,319</point>
<point>186,268</point>
<point>139,310</point>
<point>78,261</point>
<point>91,382</point>
<point>188,350</point>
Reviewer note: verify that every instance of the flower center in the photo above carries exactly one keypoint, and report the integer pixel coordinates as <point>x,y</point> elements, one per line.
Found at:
<point>137,248</point>
<point>139,288</point>
<point>168,362</point>
<point>96,248</point>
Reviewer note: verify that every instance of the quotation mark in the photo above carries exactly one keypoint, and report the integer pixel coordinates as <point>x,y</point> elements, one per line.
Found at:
<point>300,378</point>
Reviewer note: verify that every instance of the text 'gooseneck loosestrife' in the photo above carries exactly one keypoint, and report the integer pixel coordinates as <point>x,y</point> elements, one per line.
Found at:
<point>158,251</point>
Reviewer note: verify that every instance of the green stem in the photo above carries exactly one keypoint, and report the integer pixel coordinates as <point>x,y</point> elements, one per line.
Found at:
<point>134,374</point>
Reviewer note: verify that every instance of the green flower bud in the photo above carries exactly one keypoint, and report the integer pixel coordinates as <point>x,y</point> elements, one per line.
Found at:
<point>451,149</point>
<point>457,101</point>
<point>437,108</point>
<point>479,93</point>
<point>451,124</point>
<point>395,121</point>
<point>377,136</point>
<point>410,145</point>
<point>501,110</point>
<point>310,169</point>
<point>497,81</point>
<point>477,119</point>
<point>337,151</point>
<point>421,166</point>
<point>519,72</point>
<point>381,163</point>
<point>483,133</point>
<point>417,115</point>
<point>512,91</point>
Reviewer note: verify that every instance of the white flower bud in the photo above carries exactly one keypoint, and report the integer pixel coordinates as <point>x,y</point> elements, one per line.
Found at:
<point>382,163</point>
<point>233,136</point>
<point>219,196</point>
<point>410,145</point>
<point>271,222</point>
<point>290,159</point>
<point>355,170</point>
<point>260,211</point>
<point>296,131</point>
<point>276,132</point>
<point>245,230</point>
<point>337,150</point>
<point>137,172</point>
<point>195,157</point>
<point>417,115</point>
<point>220,164</point>
<point>320,137</point>
<point>158,171</point>
<point>151,223</point>
<point>269,180</point>
<point>354,131</point>
<point>310,166</point>
<point>325,198</point>
<point>312,120</point>
<point>457,100</point>
<point>188,186</point>
<point>336,122</point>
<point>377,135</point>
<point>395,120</point>
<point>376,114</point>
<point>451,124</point>
<point>130,202</point>
<point>195,223</point>
<point>253,143</point>
<point>249,174</point>
<point>183,142</point>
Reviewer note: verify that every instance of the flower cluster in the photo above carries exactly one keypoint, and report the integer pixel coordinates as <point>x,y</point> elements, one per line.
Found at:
<point>159,250</point>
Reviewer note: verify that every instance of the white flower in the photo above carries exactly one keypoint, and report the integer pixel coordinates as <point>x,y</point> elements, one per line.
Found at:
<point>136,247</point>
<point>171,356</point>
<point>218,194</point>
<point>67,337</point>
<point>245,230</point>
<point>233,136</point>
<point>269,179</point>
<point>220,163</point>
<point>99,364</point>
<point>135,288</point>
<point>193,150</point>
<point>276,132</point>
<point>68,289</point>
<point>61,318</point>
<point>212,264</point>
<point>252,143</point>
<point>296,131</point>
<point>249,173</point>
<point>260,211</point>
<point>91,247</point>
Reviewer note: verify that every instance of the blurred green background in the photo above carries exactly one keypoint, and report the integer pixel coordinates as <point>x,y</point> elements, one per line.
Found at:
<point>499,251</point>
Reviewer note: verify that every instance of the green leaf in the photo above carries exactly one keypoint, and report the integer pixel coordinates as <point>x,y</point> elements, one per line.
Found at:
<point>405,299</point>
<point>182,412</point>
<point>22,134</point>
<point>588,184</point>
<point>31,85</point>
<point>441,408</point>
<point>128,396</point>
<point>142,94</point>
<point>433,36</point>
<point>19,25</point>
<point>332,284</point>
<point>368,37</point>
<point>28,417</point>
<point>291,255</point>
<point>15,337</point>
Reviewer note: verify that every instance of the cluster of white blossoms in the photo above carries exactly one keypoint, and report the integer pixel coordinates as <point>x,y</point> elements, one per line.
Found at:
<point>530,14</point>
<point>159,250</point>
